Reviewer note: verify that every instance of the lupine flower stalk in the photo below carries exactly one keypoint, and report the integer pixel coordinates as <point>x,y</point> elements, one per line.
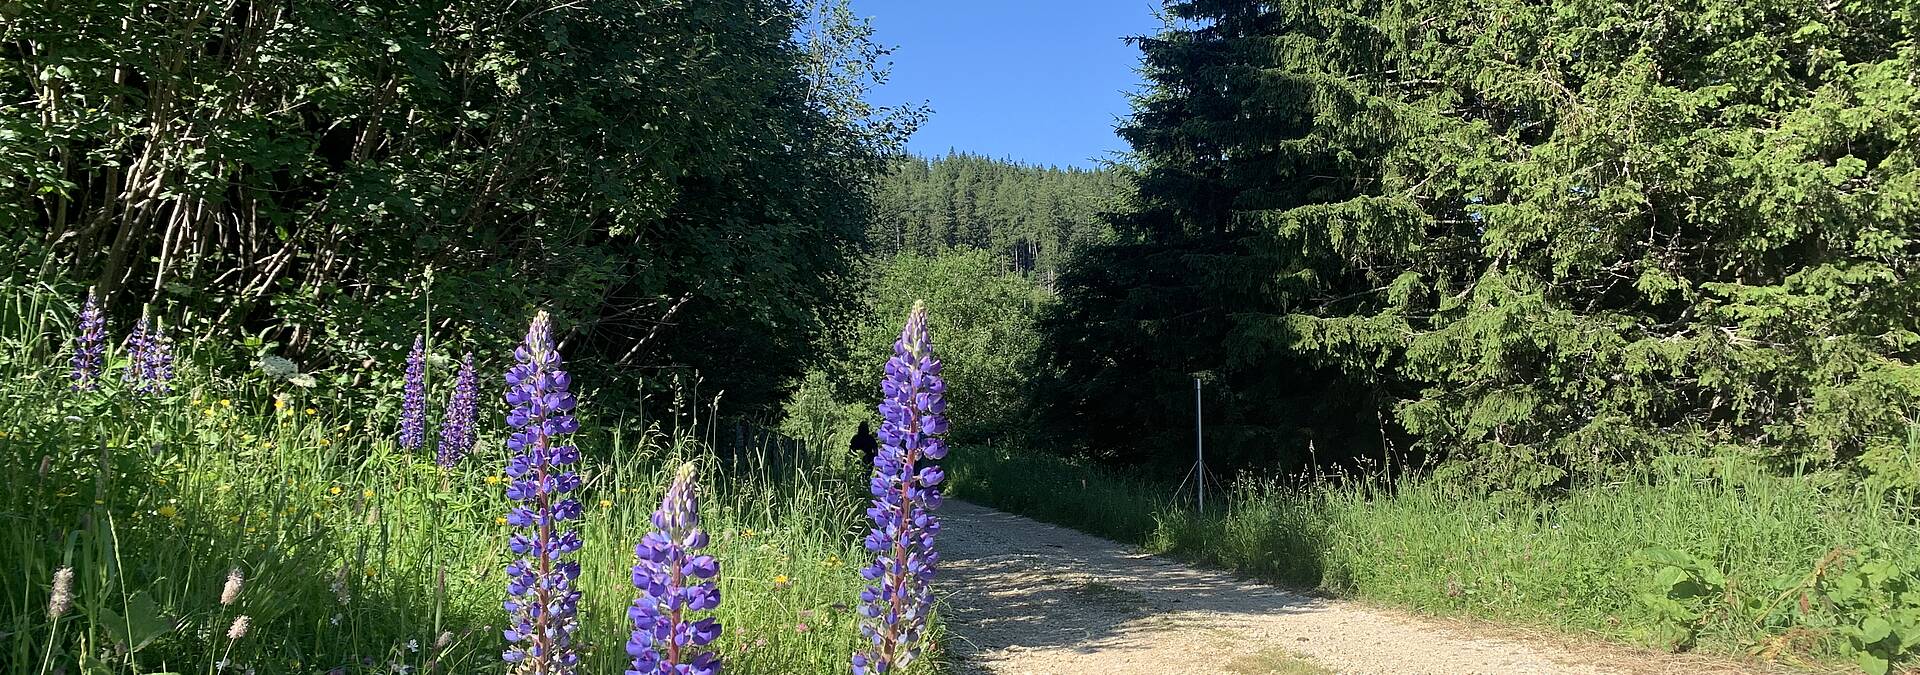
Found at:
<point>89,346</point>
<point>675,582</point>
<point>413,402</point>
<point>136,352</point>
<point>905,488</point>
<point>159,363</point>
<point>541,600</point>
<point>456,429</point>
<point>149,359</point>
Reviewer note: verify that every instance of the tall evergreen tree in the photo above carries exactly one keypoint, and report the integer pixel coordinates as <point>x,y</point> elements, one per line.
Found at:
<point>1535,239</point>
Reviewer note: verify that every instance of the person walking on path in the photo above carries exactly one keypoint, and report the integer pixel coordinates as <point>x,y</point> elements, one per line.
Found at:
<point>864,443</point>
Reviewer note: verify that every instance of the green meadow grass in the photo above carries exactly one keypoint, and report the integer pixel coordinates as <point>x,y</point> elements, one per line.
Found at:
<point>1580,563</point>
<point>359,557</point>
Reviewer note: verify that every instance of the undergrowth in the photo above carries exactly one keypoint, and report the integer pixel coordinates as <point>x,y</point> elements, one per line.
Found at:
<point>357,557</point>
<point>1685,554</point>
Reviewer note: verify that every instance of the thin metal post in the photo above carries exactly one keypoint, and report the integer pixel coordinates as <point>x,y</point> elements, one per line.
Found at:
<point>1199,452</point>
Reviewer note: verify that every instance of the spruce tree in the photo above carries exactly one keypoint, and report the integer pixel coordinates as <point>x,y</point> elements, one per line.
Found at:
<point>1536,240</point>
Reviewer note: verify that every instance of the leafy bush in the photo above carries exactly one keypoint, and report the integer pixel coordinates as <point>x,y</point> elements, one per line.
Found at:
<point>1868,597</point>
<point>986,318</point>
<point>681,186</point>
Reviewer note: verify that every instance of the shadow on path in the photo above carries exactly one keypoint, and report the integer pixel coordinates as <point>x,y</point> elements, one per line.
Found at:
<point>1012,585</point>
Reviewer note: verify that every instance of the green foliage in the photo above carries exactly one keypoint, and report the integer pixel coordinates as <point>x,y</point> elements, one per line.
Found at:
<point>1869,597</point>
<point>1031,218</point>
<point>1539,240</point>
<point>815,416</point>
<point>680,184</point>
<point>357,557</point>
<point>1685,588</point>
<point>1675,554</point>
<point>983,322</point>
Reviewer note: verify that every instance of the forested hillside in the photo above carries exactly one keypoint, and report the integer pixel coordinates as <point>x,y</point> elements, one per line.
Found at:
<point>1536,240</point>
<point>1031,217</point>
<point>681,184</point>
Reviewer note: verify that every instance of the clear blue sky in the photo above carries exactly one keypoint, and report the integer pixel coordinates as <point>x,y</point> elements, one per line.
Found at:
<point>1041,81</point>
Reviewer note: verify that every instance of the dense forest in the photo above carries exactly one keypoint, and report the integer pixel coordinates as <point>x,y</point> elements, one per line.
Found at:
<point>683,185</point>
<point>1032,217</point>
<point>1535,240</point>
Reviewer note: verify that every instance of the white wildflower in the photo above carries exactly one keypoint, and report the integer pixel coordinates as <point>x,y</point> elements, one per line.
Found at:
<point>278,368</point>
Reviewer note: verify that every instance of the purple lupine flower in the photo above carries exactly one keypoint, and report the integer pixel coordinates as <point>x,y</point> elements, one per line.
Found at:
<point>159,363</point>
<point>413,401</point>
<point>456,429</point>
<point>149,359</point>
<point>906,490</point>
<point>137,345</point>
<point>675,581</point>
<point>89,346</point>
<point>541,601</point>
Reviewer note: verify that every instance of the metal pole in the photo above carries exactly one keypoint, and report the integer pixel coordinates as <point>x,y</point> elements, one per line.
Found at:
<point>1199,452</point>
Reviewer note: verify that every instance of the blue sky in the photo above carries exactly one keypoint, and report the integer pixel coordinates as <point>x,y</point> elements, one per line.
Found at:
<point>1041,81</point>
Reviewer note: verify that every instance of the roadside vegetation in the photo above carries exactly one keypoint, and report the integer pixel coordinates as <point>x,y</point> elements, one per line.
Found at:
<point>355,555</point>
<point>1680,555</point>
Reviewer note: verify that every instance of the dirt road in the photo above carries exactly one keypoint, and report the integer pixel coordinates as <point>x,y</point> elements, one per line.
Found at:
<point>1027,598</point>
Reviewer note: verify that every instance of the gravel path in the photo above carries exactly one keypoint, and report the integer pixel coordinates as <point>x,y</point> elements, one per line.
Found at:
<point>1027,598</point>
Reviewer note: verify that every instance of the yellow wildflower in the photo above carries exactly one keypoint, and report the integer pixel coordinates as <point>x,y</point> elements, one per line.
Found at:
<point>493,480</point>
<point>335,490</point>
<point>168,511</point>
<point>367,493</point>
<point>606,503</point>
<point>311,411</point>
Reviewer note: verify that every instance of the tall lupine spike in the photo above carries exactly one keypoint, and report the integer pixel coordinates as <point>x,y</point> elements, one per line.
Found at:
<point>159,362</point>
<point>413,401</point>
<point>456,429</point>
<point>906,490</point>
<point>675,581</point>
<point>149,359</point>
<point>89,346</point>
<point>541,600</point>
<point>138,343</point>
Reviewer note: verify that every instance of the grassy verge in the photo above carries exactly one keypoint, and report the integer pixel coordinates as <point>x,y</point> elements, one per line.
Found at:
<point>359,557</point>
<point>1684,555</point>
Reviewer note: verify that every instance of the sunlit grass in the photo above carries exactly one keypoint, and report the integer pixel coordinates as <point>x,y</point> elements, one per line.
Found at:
<point>1572,562</point>
<point>359,557</point>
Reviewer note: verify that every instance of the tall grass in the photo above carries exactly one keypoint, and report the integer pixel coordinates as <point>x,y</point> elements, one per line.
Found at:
<point>1584,562</point>
<point>358,557</point>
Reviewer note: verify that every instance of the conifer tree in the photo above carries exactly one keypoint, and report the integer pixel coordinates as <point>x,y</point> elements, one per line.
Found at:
<point>1537,240</point>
